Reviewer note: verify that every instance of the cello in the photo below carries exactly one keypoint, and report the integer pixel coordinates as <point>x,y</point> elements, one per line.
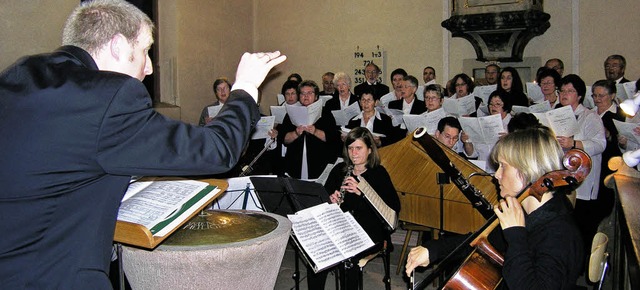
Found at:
<point>482,269</point>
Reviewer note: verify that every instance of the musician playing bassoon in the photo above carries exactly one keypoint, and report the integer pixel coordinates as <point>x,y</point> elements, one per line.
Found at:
<point>361,154</point>
<point>543,246</point>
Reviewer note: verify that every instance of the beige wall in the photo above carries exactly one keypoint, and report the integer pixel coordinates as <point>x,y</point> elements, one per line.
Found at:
<point>30,27</point>
<point>204,41</point>
<point>201,40</point>
<point>322,36</point>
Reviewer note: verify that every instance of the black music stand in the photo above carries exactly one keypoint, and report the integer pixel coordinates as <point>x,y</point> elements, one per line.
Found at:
<point>283,196</point>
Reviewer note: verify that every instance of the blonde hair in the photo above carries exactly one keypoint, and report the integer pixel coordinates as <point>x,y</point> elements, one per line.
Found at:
<point>532,151</point>
<point>92,24</point>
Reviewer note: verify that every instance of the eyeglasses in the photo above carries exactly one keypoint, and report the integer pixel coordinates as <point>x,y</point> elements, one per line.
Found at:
<point>452,138</point>
<point>432,98</point>
<point>496,104</point>
<point>547,84</point>
<point>312,93</point>
<point>461,85</point>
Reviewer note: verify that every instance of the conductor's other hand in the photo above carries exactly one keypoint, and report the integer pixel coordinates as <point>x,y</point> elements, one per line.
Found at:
<point>253,68</point>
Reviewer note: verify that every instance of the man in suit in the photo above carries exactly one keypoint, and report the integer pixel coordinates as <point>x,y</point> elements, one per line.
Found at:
<point>614,67</point>
<point>81,124</point>
<point>409,103</point>
<point>372,72</point>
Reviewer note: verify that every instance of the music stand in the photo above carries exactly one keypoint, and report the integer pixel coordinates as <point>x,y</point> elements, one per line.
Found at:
<point>283,196</point>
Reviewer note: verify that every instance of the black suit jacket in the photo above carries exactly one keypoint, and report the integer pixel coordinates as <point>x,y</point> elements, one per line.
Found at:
<point>381,126</point>
<point>77,135</point>
<point>334,104</point>
<point>418,107</point>
<point>379,89</point>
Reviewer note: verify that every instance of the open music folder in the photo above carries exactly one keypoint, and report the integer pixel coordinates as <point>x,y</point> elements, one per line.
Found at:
<point>327,236</point>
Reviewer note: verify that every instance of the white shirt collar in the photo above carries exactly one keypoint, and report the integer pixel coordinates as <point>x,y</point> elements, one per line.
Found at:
<point>361,115</point>
<point>613,109</point>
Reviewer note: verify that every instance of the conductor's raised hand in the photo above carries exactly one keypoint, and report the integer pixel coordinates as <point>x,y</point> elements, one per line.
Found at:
<point>254,67</point>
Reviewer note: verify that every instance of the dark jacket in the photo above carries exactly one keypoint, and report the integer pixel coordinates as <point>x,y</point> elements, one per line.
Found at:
<point>77,135</point>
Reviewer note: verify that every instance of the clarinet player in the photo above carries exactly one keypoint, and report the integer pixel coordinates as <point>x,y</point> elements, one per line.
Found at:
<point>361,154</point>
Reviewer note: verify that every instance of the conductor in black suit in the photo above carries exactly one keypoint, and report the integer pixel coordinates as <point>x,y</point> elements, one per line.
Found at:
<point>371,73</point>
<point>79,123</point>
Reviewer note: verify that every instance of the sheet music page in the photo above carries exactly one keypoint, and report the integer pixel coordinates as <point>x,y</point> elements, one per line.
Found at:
<point>626,129</point>
<point>325,98</point>
<point>341,231</point>
<point>491,126</point>
<point>460,107</point>
<point>303,116</point>
<point>263,126</point>
<point>341,117</point>
<point>386,212</point>
<point>390,96</point>
<point>520,109</point>
<point>412,122</point>
<point>467,104</point>
<point>135,187</point>
<point>278,112</point>
<point>322,179</point>
<point>157,201</point>
<point>629,89</point>
<point>535,108</point>
<point>621,93</point>
<point>562,121</point>
<point>534,92</point>
<point>280,99</point>
<point>213,111</point>
<point>394,114</point>
<point>540,107</point>
<point>352,110</point>
<point>484,92</point>
<point>432,119</point>
<point>471,126</point>
<point>313,238</point>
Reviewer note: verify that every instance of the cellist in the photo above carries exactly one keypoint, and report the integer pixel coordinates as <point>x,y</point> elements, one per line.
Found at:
<point>541,243</point>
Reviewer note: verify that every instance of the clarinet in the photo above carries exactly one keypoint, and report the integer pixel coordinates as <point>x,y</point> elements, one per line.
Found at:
<point>342,191</point>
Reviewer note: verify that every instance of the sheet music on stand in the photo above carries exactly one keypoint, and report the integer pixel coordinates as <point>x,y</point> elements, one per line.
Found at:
<point>283,195</point>
<point>241,194</point>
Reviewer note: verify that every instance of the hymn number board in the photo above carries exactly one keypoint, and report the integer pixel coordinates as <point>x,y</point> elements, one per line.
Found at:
<point>362,57</point>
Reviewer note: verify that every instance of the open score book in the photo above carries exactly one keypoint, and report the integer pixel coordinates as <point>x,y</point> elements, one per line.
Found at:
<point>328,236</point>
<point>160,206</point>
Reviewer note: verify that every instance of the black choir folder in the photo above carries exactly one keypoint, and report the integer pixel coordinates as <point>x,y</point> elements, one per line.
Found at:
<point>327,236</point>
